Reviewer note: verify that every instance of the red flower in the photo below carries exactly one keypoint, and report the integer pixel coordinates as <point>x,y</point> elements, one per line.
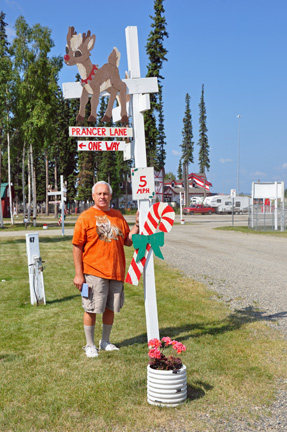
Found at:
<point>154,353</point>
<point>167,341</point>
<point>159,360</point>
<point>154,343</point>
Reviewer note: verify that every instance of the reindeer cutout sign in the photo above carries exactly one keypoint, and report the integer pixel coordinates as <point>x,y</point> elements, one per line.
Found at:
<point>95,80</point>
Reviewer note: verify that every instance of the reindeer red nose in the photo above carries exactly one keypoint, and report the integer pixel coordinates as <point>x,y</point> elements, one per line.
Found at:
<point>66,57</point>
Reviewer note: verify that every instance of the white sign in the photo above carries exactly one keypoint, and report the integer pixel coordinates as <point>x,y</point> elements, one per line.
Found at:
<point>143,183</point>
<point>101,145</point>
<point>102,132</point>
<point>271,190</point>
<point>233,193</point>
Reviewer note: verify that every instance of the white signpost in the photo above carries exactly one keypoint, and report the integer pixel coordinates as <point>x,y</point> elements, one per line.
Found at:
<point>63,199</point>
<point>35,268</point>
<point>273,191</point>
<point>139,89</point>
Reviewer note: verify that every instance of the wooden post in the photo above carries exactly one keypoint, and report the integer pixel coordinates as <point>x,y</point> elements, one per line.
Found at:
<point>141,162</point>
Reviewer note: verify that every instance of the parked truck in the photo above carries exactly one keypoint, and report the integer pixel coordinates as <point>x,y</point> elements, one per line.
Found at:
<point>198,209</point>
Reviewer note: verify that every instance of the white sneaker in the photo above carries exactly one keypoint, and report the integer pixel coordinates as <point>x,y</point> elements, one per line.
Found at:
<point>107,346</point>
<point>91,351</point>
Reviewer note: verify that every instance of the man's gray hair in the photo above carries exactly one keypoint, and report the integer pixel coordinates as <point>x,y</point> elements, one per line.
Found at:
<point>104,183</point>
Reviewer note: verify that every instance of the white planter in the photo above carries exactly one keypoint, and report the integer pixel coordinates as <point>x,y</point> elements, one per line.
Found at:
<point>166,388</point>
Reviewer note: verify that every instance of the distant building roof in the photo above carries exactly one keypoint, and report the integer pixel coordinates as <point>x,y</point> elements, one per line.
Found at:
<point>3,189</point>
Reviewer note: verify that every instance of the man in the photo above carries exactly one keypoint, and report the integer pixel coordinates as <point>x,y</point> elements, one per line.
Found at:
<point>98,251</point>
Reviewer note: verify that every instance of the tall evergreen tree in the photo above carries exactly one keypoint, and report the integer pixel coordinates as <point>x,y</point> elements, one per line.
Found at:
<point>157,55</point>
<point>161,152</point>
<point>187,145</point>
<point>203,156</point>
<point>179,170</point>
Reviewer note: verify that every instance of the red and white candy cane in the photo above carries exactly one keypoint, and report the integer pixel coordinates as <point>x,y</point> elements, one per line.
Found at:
<point>159,214</point>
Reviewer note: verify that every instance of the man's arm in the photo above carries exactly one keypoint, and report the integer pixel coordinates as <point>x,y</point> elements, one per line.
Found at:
<point>79,278</point>
<point>135,230</point>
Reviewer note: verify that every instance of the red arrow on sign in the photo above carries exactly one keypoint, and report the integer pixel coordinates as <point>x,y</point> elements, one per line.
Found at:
<point>82,145</point>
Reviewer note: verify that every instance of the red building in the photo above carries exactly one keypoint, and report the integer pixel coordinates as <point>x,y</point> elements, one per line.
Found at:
<point>198,186</point>
<point>5,202</point>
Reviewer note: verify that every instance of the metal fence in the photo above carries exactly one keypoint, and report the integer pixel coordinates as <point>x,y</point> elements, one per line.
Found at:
<point>267,218</point>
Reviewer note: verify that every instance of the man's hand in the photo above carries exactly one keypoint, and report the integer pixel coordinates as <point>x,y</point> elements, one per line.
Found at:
<point>137,217</point>
<point>79,278</point>
<point>78,281</point>
<point>135,230</point>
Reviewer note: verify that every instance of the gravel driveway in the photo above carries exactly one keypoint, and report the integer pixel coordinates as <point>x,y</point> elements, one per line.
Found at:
<point>249,272</point>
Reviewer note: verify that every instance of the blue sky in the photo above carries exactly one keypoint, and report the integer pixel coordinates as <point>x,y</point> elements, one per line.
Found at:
<point>236,48</point>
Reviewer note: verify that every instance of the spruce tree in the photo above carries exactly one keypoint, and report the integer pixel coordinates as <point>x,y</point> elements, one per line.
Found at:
<point>203,156</point>
<point>179,170</point>
<point>187,146</point>
<point>155,138</point>
<point>161,153</point>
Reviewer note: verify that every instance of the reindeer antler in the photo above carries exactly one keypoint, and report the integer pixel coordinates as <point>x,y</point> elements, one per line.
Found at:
<point>71,32</point>
<point>86,36</point>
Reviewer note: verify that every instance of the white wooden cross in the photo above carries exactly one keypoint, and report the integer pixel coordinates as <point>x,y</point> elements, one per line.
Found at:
<point>63,199</point>
<point>139,89</point>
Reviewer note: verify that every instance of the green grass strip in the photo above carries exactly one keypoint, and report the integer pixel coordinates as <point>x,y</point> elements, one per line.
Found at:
<point>47,383</point>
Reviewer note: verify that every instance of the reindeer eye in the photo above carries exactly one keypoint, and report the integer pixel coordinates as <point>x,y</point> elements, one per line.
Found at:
<point>67,49</point>
<point>78,53</point>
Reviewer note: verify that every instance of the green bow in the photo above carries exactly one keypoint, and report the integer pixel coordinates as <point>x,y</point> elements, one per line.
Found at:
<point>140,242</point>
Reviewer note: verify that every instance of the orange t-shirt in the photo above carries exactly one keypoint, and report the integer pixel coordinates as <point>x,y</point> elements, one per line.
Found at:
<point>102,233</point>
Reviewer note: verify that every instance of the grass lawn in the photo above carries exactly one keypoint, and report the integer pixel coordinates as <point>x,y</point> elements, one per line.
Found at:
<point>48,383</point>
<point>247,230</point>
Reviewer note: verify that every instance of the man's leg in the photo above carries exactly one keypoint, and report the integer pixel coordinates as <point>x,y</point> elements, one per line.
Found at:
<point>89,328</point>
<point>108,320</point>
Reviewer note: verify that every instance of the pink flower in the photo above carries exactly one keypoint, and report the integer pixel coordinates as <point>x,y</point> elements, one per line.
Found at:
<point>154,343</point>
<point>167,341</point>
<point>179,347</point>
<point>159,360</point>
<point>154,353</point>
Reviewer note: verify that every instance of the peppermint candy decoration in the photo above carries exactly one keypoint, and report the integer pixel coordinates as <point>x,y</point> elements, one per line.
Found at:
<point>160,215</point>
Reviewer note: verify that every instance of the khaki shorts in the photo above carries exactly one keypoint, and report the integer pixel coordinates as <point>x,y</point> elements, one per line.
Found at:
<point>103,293</point>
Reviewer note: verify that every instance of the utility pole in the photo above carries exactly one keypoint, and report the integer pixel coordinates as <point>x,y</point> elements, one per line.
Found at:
<point>239,117</point>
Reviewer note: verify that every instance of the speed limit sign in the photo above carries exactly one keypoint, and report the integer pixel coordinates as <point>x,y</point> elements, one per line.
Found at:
<point>143,183</point>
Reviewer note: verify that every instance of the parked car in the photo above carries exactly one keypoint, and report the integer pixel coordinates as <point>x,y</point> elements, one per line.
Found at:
<point>199,209</point>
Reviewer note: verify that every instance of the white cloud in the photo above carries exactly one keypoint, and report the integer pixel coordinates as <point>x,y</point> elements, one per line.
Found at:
<point>226,160</point>
<point>13,5</point>
<point>176,153</point>
<point>11,33</point>
<point>258,174</point>
<point>284,166</point>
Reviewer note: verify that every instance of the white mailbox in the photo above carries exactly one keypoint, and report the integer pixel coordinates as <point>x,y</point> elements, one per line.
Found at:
<point>35,268</point>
